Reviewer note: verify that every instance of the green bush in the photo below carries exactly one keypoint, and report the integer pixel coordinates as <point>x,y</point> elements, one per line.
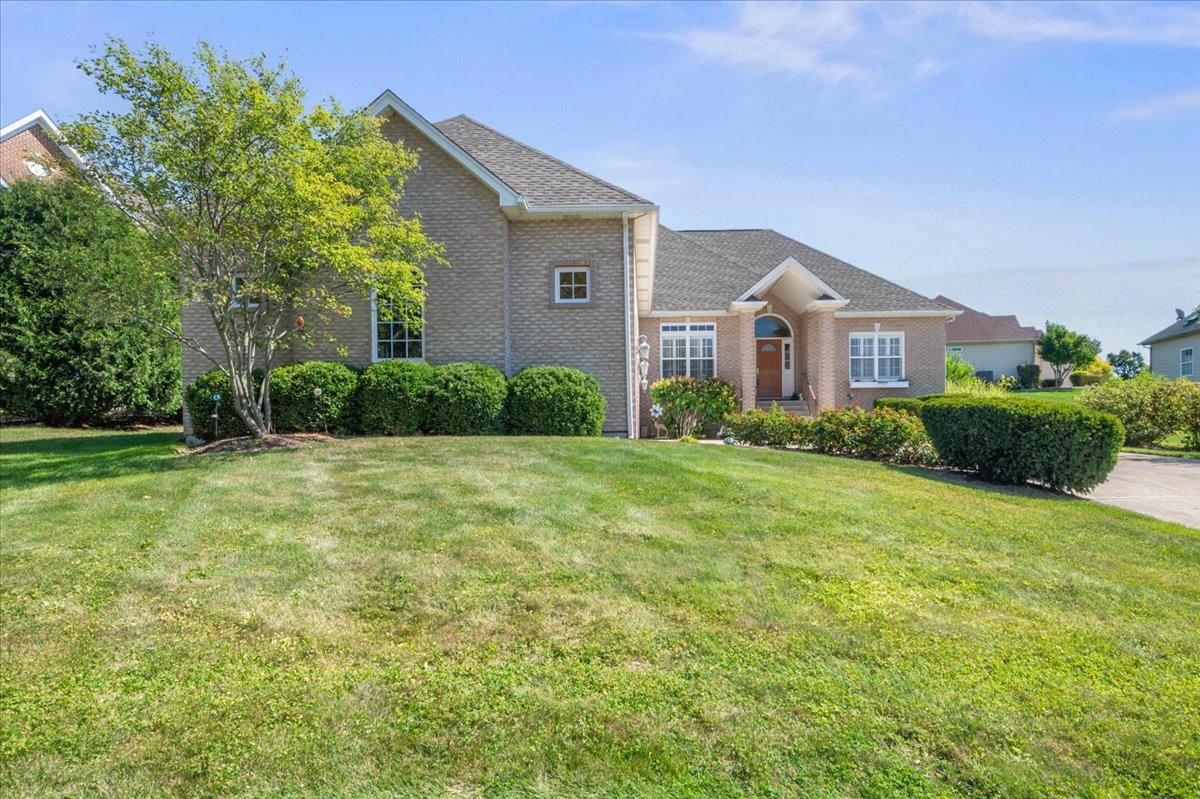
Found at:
<point>1028,375</point>
<point>83,299</point>
<point>392,398</point>
<point>957,368</point>
<point>295,407</point>
<point>974,387</point>
<point>1189,412</point>
<point>1097,372</point>
<point>465,399</point>
<point>1013,440</point>
<point>1149,406</point>
<point>198,396</point>
<point>882,434</point>
<point>689,404</point>
<point>910,404</point>
<point>1006,383</point>
<point>769,428</point>
<point>554,401</point>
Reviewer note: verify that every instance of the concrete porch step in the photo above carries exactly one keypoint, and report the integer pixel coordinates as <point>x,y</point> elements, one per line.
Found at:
<point>786,405</point>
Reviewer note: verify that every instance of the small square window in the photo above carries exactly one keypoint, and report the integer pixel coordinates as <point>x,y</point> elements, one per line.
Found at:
<point>572,284</point>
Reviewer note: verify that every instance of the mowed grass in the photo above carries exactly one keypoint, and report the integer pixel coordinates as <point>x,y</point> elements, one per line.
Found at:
<point>1069,396</point>
<point>547,618</point>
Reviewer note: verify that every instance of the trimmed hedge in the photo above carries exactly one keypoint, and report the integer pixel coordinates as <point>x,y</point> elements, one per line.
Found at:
<point>910,404</point>
<point>465,399</point>
<point>198,396</point>
<point>392,398</point>
<point>554,401</point>
<point>885,433</point>
<point>1013,440</point>
<point>295,408</point>
<point>773,428</point>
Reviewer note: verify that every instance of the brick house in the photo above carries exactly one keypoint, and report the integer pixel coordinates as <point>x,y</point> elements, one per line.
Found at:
<point>29,149</point>
<point>551,265</point>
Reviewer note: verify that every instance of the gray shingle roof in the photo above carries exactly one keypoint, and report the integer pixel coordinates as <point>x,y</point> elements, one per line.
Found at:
<point>1182,327</point>
<point>541,179</point>
<point>708,269</point>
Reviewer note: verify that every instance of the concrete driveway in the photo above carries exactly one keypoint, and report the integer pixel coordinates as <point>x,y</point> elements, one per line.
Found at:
<point>1163,487</point>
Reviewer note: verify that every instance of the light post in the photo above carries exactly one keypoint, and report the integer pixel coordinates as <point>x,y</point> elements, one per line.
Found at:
<point>644,361</point>
<point>216,401</point>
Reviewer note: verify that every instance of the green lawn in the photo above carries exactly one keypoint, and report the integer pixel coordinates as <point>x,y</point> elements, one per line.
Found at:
<point>544,618</point>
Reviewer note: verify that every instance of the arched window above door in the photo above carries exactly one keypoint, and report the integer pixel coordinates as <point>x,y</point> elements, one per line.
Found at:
<point>768,326</point>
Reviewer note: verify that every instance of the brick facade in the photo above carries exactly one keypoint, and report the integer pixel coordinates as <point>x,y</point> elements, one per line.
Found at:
<point>31,144</point>
<point>493,304</point>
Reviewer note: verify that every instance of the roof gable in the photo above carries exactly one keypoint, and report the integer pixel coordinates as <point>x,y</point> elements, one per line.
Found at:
<point>975,326</point>
<point>40,119</point>
<point>1189,324</point>
<point>541,179</point>
<point>755,253</point>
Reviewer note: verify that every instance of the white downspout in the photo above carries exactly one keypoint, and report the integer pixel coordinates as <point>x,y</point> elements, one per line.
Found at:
<point>628,333</point>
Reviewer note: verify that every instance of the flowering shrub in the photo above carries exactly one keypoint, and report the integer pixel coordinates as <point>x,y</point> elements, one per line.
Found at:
<point>1149,406</point>
<point>773,428</point>
<point>882,434</point>
<point>689,404</point>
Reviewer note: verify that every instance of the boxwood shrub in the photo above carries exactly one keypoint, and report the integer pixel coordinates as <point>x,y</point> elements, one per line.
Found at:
<point>554,401</point>
<point>198,397</point>
<point>391,398</point>
<point>1012,440</point>
<point>295,407</point>
<point>465,399</point>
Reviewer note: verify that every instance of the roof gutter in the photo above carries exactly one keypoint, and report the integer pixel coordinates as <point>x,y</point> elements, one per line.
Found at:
<point>628,323</point>
<point>924,313</point>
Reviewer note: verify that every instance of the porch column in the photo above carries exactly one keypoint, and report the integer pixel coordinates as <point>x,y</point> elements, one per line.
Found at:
<point>748,359</point>
<point>821,349</point>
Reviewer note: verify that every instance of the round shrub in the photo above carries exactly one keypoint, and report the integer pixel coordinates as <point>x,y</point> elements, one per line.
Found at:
<point>1013,440</point>
<point>689,404</point>
<point>392,397</point>
<point>295,406</point>
<point>465,399</point>
<point>199,398</point>
<point>1150,406</point>
<point>554,401</point>
<point>769,428</point>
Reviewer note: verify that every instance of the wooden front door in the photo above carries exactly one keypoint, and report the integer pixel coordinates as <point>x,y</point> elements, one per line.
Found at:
<point>770,368</point>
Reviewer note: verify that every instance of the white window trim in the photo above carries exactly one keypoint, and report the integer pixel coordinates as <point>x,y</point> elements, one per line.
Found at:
<point>688,335</point>
<point>877,383</point>
<point>587,271</point>
<point>1191,351</point>
<point>234,302</point>
<point>375,335</point>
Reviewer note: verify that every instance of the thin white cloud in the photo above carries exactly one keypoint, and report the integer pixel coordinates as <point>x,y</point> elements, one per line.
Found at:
<point>872,45</point>
<point>1140,23</point>
<point>1160,107</point>
<point>927,68</point>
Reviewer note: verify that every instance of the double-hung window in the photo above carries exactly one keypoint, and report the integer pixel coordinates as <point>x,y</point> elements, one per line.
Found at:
<point>1187,362</point>
<point>395,337</point>
<point>689,350</point>
<point>876,357</point>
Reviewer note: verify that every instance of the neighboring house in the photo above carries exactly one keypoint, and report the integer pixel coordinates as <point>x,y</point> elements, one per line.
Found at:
<point>1173,349</point>
<point>994,345</point>
<point>550,265</point>
<point>28,149</point>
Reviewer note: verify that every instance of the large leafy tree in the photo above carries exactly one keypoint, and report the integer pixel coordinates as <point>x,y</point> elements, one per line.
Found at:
<point>63,248</point>
<point>1066,350</point>
<point>1126,365</point>
<point>269,211</point>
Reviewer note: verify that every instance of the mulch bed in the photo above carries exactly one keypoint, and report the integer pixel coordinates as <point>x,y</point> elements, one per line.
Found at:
<point>251,444</point>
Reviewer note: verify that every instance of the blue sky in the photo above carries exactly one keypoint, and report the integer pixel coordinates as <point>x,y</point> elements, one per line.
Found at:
<point>1036,159</point>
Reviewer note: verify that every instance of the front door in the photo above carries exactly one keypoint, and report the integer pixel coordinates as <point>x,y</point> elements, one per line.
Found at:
<point>770,369</point>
